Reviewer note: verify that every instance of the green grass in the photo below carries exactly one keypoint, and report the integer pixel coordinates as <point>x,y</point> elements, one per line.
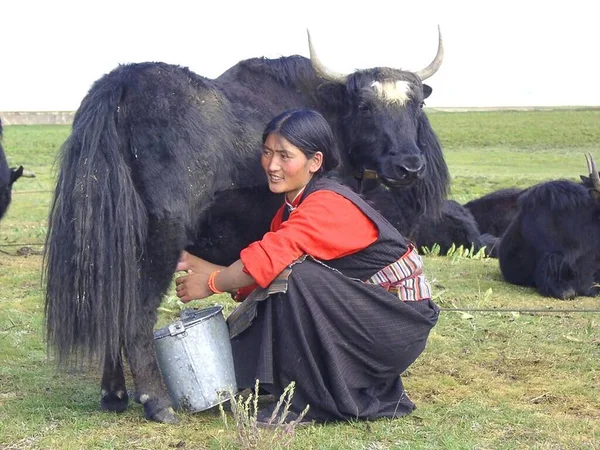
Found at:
<point>490,150</point>
<point>500,380</point>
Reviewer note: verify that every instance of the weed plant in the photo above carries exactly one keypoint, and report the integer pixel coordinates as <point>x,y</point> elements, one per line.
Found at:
<point>276,433</point>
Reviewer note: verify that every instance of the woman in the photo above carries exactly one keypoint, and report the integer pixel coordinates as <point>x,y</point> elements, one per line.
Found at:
<point>342,306</point>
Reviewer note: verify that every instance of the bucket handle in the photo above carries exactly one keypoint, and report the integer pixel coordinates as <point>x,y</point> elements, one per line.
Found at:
<point>176,328</point>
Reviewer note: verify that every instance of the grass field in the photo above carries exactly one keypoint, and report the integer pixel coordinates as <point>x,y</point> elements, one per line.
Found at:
<point>487,380</point>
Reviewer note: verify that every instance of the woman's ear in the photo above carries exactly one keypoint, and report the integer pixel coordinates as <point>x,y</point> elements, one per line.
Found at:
<point>316,161</point>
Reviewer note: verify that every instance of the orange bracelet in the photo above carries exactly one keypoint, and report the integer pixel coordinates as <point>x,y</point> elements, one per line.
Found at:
<point>211,282</point>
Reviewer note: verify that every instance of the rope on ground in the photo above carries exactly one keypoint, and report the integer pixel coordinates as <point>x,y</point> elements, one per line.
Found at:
<point>522,310</point>
<point>23,251</point>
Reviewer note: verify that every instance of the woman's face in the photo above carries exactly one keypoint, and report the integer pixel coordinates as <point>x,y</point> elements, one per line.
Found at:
<point>288,169</point>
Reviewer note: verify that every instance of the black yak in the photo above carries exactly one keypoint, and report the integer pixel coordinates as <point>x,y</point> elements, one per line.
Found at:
<point>453,224</point>
<point>456,226</point>
<point>7,177</point>
<point>161,159</point>
<point>553,244</point>
<point>494,211</point>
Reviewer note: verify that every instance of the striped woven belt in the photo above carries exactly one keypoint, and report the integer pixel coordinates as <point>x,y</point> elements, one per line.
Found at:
<point>404,277</point>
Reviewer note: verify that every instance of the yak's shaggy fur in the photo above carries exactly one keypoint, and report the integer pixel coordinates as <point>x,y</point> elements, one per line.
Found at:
<point>456,226</point>
<point>494,211</point>
<point>553,243</point>
<point>7,177</point>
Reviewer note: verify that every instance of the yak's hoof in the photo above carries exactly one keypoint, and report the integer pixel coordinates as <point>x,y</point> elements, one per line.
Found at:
<point>114,401</point>
<point>155,412</point>
<point>166,415</point>
<point>134,396</point>
<point>568,294</point>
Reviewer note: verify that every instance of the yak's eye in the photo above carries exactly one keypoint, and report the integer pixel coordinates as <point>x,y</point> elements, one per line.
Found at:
<point>364,107</point>
<point>421,104</point>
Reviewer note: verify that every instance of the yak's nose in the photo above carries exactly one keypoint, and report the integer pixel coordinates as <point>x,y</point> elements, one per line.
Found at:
<point>404,171</point>
<point>411,172</point>
<point>410,167</point>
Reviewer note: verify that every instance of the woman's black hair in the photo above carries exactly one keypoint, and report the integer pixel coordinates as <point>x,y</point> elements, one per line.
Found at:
<point>307,130</point>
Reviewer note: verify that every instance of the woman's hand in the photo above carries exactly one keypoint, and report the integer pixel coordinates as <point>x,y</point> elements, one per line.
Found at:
<point>192,286</point>
<point>189,262</point>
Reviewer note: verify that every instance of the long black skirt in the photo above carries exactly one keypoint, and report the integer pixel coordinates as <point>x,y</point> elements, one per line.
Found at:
<point>343,342</point>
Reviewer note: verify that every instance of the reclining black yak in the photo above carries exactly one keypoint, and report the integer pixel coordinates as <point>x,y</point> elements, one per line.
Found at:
<point>452,224</point>
<point>456,226</point>
<point>495,211</point>
<point>160,159</point>
<point>553,244</point>
<point>7,177</point>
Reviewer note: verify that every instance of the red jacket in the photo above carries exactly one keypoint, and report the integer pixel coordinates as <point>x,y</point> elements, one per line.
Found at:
<point>325,225</point>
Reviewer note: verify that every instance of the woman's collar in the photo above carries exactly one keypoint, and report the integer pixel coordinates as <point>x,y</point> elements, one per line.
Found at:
<point>294,203</point>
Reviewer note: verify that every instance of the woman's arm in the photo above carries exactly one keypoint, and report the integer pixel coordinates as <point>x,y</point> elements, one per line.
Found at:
<point>194,285</point>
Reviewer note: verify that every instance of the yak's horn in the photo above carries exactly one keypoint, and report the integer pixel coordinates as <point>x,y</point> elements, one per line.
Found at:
<point>322,71</point>
<point>593,171</point>
<point>433,67</point>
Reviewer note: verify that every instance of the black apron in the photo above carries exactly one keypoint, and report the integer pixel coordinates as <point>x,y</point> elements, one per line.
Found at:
<point>342,341</point>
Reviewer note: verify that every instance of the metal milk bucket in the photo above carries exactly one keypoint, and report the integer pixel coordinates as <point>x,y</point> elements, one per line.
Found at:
<point>194,356</point>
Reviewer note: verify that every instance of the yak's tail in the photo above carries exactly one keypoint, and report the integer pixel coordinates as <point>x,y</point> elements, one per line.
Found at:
<point>97,228</point>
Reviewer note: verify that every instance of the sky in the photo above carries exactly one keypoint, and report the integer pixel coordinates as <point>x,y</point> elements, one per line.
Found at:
<point>497,53</point>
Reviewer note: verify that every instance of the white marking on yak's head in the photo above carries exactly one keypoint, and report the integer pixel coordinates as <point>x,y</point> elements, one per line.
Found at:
<point>398,91</point>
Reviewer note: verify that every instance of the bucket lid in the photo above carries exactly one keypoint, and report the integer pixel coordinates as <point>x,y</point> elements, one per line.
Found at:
<point>187,318</point>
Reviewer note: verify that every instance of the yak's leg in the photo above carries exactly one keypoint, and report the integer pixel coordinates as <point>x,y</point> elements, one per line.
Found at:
<point>596,283</point>
<point>491,243</point>
<point>114,392</point>
<point>587,281</point>
<point>165,240</point>
<point>554,277</point>
<point>516,256</point>
<point>149,386</point>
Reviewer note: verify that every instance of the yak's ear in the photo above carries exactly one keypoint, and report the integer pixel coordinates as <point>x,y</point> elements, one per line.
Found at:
<point>585,180</point>
<point>15,174</point>
<point>427,90</point>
